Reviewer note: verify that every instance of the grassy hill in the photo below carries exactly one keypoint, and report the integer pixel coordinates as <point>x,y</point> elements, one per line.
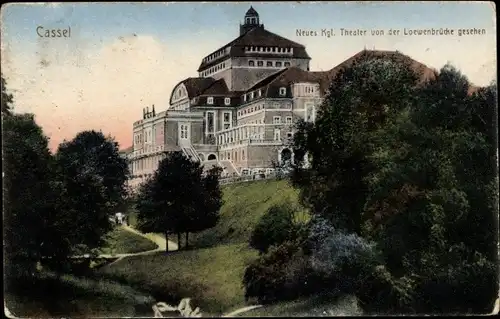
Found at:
<point>121,241</point>
<point>244,204</point>
<point>211,271</point>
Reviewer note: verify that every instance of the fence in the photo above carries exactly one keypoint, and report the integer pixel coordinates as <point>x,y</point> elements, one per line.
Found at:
<point>249,178</point>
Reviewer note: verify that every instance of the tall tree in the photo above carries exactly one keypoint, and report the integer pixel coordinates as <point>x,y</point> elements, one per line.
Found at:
<point>92,175</point>
<point>209,203</point>
<point>363,98</point>
<point>7,98</point>
<point>178,198</point>
<point>30,212</point>
<point>433,196</point>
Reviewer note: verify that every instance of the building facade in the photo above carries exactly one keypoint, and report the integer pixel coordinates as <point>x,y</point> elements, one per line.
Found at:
<point>240,111</point>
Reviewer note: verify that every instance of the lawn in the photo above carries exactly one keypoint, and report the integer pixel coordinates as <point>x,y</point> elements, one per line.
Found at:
<point>121,241</point>
<point>211,272</point>
<point>45,295</point>
<point>244,204</point>
<point>211,277</point>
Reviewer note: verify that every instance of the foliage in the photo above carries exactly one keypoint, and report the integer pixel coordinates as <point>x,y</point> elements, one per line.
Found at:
<point>178,198</point>
<point>381,293</point>
<point>432,195</point>
<point>7,99</point>
<point>91,176</point>
<point>413,168</point>
<point>344,260</point>
<point>361,99</point>
<point>32,222</point>
<point>207,213</point>
<point>283,273</point>
<point>276,226</point>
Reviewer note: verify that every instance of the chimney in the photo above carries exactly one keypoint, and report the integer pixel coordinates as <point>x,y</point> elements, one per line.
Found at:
<point>143,113</point>
<point>154,112</point>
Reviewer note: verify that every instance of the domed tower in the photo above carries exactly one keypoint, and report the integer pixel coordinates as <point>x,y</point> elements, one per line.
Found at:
<point>251,21</point>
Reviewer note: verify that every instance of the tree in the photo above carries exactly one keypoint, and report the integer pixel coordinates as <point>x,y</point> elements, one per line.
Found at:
<point>206,215</point>
<point>362,99</point>
<point>92,175</point>
<point>7,99</point>
<point>30,215</point>
<point>433,194</point>
<point>178,199</point>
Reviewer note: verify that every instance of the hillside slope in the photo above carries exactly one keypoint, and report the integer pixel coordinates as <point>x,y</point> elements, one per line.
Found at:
<point>244,204</point>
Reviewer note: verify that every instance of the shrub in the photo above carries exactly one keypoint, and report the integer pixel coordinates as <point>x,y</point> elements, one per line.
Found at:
<point>468,287</point>
<point>275,227</point>
<point>343,260</point>
<point>381,293</point>
<point>283,273</point>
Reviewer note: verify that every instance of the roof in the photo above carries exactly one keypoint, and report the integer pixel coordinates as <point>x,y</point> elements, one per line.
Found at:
<point>195,86</point>
<point>292,75</point>
<point>257,36</point>
<point>251,12</point>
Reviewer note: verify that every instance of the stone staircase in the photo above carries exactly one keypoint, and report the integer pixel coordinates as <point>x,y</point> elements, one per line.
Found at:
<point>191,153</point>
<point>228,166</point>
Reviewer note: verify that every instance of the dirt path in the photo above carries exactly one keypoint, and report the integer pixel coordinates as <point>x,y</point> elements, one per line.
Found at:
<point>156,238</point>
<point>241,310</point>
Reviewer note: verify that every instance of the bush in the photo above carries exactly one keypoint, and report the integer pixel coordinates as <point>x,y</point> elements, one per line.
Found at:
<point>343,260</point>
<point>283,273</point>
<point>469,287</point>
<point>381,293</point>
<point>275,227</point>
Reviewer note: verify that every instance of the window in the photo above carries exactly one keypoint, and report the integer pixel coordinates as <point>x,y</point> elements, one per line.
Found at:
<point>210,122</point>
<point>288,120</point>
<point>287,64</point>
<point>269,63</point>
<point>282,91</point>
<point>260,63</point>
<point>242,155</point>
<point>227,101</point>
<point>276,119</point>
<point>253,20</point>
<point>289,135</point>
<point>210,100</point>
<point>277,133</point>
<point>184,132</point>
<point>310,112</point>
<point>251,63</point>
<point>227,120</point>
<point>276,105</point>
<point>278,64</point>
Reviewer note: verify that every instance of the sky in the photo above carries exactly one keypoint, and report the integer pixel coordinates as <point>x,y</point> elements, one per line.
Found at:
<point>123,57</point>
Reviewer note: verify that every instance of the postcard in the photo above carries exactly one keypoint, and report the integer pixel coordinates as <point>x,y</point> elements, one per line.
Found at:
<point>240,159</point>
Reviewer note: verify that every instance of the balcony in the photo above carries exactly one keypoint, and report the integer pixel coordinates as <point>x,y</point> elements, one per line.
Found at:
<point>146,152</point>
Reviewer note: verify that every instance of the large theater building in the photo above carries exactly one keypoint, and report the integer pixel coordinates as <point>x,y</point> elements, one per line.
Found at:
<point>240,110</point>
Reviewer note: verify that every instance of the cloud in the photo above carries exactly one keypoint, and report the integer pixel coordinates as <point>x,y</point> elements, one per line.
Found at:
<point>78,86</point>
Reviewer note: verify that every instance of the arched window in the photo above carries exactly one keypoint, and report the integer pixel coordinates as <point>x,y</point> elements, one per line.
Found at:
<point>211,157</point>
